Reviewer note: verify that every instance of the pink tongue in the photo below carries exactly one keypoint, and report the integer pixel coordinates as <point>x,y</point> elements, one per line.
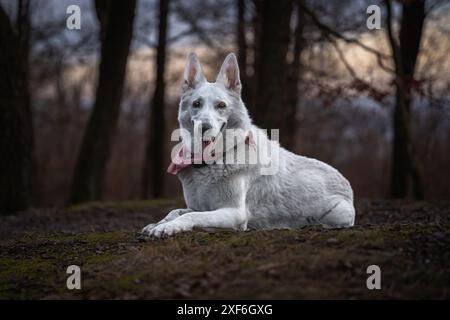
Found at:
<point>179,162</point>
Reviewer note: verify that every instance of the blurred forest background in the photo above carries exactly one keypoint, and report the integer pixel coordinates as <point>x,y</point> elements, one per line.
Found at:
<point>86,114</point>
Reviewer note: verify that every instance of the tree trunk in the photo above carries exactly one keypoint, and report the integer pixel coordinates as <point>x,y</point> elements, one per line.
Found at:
<point>116,20</point>
<point>153,173</point>
<point>272,64</point>
<point>23,25</point>
<point>252,80</point>
<point>289,114</point>
<point>242,51</point>
<point>404,166</point>
<point>15,137</point>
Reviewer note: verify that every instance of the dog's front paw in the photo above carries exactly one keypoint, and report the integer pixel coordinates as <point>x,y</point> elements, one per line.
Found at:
<point>146,230</point>
<point>168,229</point>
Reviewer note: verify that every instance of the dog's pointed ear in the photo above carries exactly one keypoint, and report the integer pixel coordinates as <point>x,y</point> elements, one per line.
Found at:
<point>193,73</point>
<point>229,74</point>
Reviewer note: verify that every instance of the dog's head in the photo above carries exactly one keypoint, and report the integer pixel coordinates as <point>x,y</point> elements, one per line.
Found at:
<point>213,106</point>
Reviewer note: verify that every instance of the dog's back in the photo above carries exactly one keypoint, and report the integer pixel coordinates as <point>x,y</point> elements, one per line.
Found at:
<point>303,191</point>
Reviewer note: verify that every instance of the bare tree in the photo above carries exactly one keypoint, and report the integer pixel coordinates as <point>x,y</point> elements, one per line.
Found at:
<point>242,50</point>
<point>116,28</point>
<point>272,64</point>
<point>253,48</point>
<point>289,111</point>
<point>153,173</point>
<point>404,54</point>
<point>15,123</point>
<point>405,47</point>
<point>23,26</point>
<point>23,29</point>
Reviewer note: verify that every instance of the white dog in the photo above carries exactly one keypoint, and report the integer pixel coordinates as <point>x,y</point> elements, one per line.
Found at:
<point>301,191</point>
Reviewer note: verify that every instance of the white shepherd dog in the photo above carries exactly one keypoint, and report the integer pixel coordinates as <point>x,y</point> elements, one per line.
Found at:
<point>277,190</point>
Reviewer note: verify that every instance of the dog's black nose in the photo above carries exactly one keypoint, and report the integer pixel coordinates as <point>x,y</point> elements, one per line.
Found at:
<point>205,127</point>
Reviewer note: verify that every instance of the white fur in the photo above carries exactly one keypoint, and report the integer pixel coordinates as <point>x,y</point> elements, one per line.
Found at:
<point>303,192</point>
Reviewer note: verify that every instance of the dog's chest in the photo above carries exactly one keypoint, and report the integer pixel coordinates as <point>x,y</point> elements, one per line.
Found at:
<point>210,188</point>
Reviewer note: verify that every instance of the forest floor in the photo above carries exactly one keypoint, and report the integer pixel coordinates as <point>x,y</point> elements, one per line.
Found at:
<point>409,241</point>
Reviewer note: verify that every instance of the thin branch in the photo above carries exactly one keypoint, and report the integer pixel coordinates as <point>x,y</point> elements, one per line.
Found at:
<point>375,93</point>
<point>434,6</point>
<point>182,34</point>
<point>394,46</point>
<point>338,35</point>
<point>345,62</point>
<point>185,16</point>
<point>382,66</point>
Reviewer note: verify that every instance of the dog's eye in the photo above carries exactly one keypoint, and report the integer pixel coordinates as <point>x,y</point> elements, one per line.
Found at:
<point>196,104</point>
<point>221,105</point>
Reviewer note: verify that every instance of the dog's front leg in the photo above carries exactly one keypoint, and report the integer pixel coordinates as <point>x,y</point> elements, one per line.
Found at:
<point>224,218</point>
<point>172,215</point>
